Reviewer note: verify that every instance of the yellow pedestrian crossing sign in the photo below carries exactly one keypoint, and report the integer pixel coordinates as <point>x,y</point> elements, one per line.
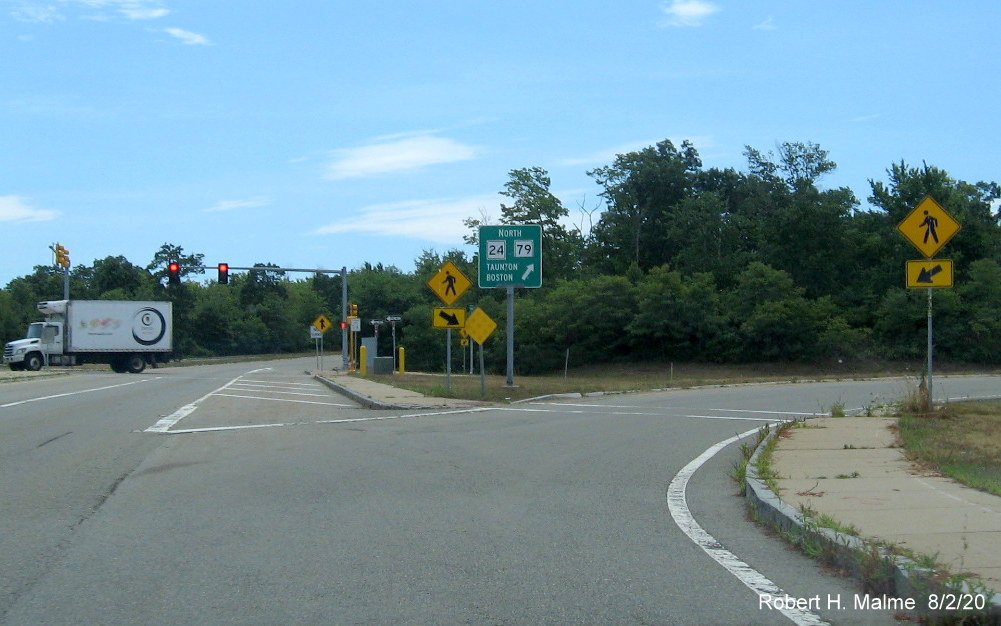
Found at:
<point>929,227</point>
<point>449,283</point>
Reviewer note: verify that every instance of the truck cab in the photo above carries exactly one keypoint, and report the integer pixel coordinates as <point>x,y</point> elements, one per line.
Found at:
<point>43,340</point>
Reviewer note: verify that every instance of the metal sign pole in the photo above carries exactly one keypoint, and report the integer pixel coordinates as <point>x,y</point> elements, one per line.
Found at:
<point>931,402</point>
<point>510,337</point>
<point>345,358</point>
<point>483,380</point>
<point>448,360</point>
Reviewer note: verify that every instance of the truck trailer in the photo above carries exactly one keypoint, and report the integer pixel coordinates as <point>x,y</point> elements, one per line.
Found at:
<point>124,334</point>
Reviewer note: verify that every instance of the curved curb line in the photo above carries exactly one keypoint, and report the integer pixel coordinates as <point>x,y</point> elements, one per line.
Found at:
<point>908,580</point>
<point>362,399</point>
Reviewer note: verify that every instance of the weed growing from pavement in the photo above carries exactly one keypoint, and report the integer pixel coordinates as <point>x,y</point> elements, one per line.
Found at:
<point>874,563</point>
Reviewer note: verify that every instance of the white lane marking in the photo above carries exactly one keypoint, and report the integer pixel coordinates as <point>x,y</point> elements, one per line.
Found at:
<point>277,382</point>
<point>288,388</point>
<point>678,504</point>
<point>239,387</point>
<point>164,424</point>
<point>74,393</point>
<point>673,408</point>
<point>380,418</point>
<point>233,395</point>
<point>732,417</point>
<point>661,413</point>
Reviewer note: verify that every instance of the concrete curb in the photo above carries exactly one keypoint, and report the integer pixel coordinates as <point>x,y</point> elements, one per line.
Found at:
<point>909,580</point>
<point>362,399</point>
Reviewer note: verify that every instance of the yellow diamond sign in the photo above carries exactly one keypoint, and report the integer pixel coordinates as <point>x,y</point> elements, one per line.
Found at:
<point>322,323</point>
<point>480,326</point>
<point>929,227</point>
<point>449,283</point>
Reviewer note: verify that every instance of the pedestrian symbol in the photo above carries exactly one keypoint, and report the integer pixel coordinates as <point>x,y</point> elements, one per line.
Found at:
<point>929,227</point>
<point>449,283</point>
<point>930,224</point>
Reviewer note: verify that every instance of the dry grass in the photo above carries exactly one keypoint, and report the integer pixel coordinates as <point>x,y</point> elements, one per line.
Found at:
<point>962,441</point>
<point>632,377</point>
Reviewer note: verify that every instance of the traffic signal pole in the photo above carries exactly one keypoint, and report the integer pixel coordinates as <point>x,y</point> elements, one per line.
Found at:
<point>345,352</point>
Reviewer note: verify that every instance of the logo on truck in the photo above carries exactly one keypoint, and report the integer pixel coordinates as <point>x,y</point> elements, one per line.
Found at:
<point>148,326</point>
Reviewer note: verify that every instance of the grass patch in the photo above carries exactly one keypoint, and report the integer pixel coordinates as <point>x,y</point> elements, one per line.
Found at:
<point>621,377</point>
<point>962,441</point>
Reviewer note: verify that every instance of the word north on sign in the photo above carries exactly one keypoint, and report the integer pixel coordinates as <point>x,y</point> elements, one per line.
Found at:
<point>510,256</point>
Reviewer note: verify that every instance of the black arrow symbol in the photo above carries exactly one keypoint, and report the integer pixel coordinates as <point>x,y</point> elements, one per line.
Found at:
<point>451,318</point>
<point>927,275</point>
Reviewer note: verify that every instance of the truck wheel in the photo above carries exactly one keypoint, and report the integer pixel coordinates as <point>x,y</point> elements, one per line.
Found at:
<point>135,363</point>
<point>33,362</point>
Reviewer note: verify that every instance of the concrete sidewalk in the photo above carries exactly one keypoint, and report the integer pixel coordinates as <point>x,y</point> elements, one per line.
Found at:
<point>850,469</point>
<point>379,396</point>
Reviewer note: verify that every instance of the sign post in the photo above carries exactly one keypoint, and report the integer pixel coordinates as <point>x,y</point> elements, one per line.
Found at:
<point>319,326</point>
<point>479,327</point>
<point>392,319</point>
<point>510,256</point>
<point>449,284</point>
<point>929,227</point>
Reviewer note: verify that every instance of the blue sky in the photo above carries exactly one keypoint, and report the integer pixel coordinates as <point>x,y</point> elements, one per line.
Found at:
<point>323,133</point>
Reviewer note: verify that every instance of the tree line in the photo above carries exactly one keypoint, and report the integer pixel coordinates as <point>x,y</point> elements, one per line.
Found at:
<point>683,263</point>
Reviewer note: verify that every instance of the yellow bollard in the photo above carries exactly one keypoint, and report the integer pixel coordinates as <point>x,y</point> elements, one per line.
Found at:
<point>363,365</point>
<point>403,360</point>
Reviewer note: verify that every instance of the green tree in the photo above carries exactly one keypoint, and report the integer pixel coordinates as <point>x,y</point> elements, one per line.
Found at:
<point>642,190</point>
<point>170,252</point>
<point>677,316</point>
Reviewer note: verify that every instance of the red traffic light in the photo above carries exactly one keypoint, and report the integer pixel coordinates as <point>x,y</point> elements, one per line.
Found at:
<point>223,273</point>
<point>174,273</point>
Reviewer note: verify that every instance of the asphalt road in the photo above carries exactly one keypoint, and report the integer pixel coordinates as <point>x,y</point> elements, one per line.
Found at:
<point>285,503</point>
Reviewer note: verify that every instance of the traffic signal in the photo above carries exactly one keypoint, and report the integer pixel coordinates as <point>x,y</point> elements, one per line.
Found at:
<point>62,256</point>
<point>174,273</point>
<point>224,273</point>
<point>354,310</point>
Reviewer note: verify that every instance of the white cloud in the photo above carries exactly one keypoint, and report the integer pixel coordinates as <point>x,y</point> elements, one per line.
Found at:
<point>768,24</point>
<point>229,205</point>
<point>45,11</point>
<point>438,220</point>
<point>687,12</point>
<point>187,37</point>
<point>44,14</point>
<point>15,209</point>
<point>143,13</point>
<point>397,153</point>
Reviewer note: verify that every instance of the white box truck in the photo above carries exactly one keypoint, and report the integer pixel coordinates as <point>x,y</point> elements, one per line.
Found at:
<point>127,335</point>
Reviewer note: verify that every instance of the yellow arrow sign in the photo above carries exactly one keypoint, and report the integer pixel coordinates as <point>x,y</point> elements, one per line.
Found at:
<point>929,227</point>
<point>929,274</point>
<point>321,324</point>
<point>449,283</point>
<point>480,326</point>
<point>449,318</point>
